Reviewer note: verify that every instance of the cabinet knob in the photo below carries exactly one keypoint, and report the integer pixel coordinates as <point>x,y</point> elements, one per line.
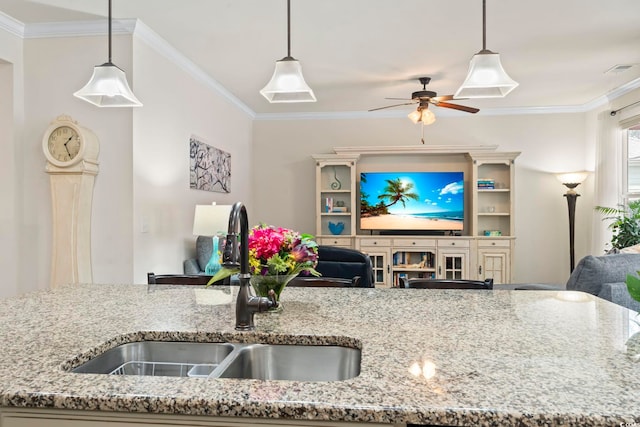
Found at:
<point>453,243</point>
<point>335,242</point>
<point>413,243</point>
<point>375,243</point>
<point>493,243</point>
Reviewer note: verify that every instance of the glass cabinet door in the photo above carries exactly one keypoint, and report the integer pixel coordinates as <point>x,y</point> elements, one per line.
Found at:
<point>453,266</point>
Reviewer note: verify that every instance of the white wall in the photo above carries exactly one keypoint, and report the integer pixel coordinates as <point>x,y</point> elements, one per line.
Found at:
<point>54,69</point>
<point>11,121</point>
<point>284,174</point>
<point>176,106</point>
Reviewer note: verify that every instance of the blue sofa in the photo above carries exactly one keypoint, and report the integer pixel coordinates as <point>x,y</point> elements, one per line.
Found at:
<point>604,276</point>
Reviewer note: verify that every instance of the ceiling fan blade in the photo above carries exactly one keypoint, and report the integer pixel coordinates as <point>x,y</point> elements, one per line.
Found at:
<point>391,106</point>
<point>442,98</point>
<point>401,99</point>
<point>457,107</point>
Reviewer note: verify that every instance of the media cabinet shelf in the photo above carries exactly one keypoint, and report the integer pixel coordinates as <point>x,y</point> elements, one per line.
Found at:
<point>471,255</point>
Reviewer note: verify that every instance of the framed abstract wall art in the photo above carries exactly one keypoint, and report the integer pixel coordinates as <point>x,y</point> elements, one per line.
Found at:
<point>210,167</point>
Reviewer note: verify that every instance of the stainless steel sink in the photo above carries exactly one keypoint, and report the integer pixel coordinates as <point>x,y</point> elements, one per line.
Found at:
<point>159,358</point>
<point>228,360</point>
<point>293,362</point>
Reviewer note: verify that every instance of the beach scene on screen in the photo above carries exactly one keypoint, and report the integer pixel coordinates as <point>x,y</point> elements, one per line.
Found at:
<point>411,200</point>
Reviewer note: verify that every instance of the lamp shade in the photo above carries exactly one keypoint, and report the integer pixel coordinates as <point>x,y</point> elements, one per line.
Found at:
<point>572,177</point>
<point>287,83</point>
<point>486,78</point>
<point>108,87</point>
<point>211,220</point>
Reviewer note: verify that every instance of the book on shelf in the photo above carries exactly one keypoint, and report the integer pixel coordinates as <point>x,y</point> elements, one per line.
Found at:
<point>340,209</point>
<point>486,184</point>
<point>328,204</point>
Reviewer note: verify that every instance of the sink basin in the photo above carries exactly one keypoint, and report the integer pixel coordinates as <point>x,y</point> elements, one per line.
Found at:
<point>293,362</point>
<point>228,360</point>
<point>159,358</point>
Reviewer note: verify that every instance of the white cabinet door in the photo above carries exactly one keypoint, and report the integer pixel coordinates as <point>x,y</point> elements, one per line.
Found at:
<point>494,264</point>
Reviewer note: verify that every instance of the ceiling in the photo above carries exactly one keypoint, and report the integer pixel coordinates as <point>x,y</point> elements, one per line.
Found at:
<point>355,53</point>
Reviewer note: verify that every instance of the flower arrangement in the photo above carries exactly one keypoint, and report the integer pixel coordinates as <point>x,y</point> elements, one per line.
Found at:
<point>277,251</point>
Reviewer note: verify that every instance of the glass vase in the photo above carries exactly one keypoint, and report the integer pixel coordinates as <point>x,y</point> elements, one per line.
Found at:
<point>263,284</point>
<point>213,266</point>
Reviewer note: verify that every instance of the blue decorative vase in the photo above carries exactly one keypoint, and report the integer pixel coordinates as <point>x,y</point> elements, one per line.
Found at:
<point>214,262</point>
<point>336,228</point>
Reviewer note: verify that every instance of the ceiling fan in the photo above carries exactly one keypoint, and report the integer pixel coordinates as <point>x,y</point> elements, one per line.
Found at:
<point>425,97</point>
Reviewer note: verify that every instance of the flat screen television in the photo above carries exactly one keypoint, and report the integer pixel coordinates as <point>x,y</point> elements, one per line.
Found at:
<point>427,201</point>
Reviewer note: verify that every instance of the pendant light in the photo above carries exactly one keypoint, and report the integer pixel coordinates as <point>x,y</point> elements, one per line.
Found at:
<point>486,77</point>
<point>287,83</point>
<point>108,85</point>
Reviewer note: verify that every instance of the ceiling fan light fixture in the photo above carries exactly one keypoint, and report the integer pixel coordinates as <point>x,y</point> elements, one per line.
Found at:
<point>423,115</point>
<point>108,85</point>
<point>486,77</point>
<point>287,83</point>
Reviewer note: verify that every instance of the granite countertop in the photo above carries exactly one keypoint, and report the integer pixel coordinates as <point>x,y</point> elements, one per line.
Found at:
<point>495,357</point>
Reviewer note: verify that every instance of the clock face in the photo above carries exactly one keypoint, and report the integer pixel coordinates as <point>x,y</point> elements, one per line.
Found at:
<point>64,143</point>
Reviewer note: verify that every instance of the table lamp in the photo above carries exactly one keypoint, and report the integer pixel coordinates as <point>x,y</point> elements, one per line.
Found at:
<point>211,221</point>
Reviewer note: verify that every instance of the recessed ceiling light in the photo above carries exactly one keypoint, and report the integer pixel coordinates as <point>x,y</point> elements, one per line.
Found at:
<point>619,68</point>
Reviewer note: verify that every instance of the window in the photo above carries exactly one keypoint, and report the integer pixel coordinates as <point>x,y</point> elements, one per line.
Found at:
<point>631,181</point>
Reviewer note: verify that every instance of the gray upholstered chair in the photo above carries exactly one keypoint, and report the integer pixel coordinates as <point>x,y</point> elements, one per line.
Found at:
<point>204,246</point>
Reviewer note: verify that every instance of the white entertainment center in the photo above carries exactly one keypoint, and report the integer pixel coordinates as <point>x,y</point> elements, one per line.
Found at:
<point>482,250</point>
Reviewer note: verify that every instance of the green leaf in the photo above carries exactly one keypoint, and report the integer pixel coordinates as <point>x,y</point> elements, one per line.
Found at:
<point>633,286</point>
<point>223,273</point>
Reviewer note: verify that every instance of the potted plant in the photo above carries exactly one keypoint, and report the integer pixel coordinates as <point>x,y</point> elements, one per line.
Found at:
<point>625,225</point>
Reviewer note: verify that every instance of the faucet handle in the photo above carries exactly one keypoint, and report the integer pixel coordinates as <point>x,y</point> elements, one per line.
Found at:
<point>230,253</point>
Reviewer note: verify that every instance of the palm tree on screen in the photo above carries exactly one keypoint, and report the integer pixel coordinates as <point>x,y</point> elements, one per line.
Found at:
<point>396,191</point>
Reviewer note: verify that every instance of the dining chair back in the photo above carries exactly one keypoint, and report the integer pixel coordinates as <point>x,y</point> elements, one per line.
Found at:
<point>325,282</point>
<point>179,279</point>
<point>447,284</point>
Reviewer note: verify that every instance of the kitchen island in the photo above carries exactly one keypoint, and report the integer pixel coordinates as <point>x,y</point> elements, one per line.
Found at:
<point>444,357</point>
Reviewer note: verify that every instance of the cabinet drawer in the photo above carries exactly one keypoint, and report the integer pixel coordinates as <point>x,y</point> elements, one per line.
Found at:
<point>493,243</point>
<point>335,241</point>
<point>373,242</point>
<point>417,243</point>
<point>453,243</point>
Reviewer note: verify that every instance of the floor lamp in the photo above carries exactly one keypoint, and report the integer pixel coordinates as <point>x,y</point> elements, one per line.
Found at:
<point>571,181</point>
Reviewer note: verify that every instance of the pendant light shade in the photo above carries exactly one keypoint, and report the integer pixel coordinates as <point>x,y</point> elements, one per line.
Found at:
<point>287,83</point>
<point>108,85</point>
<point>486,77</point>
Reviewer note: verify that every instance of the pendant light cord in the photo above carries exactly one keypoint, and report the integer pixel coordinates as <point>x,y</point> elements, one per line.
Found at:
<point>288,28</point>
<point>109,32</point>
<point>484,24</point>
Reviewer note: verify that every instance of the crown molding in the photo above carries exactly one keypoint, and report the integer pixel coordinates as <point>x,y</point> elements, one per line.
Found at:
<point>11,25</point>
<point>140,30</point>
<point>160,45</point>
<point>78,28</point>
<point>156,42</point>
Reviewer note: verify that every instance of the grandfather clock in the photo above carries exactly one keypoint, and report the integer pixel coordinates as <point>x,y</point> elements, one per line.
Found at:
<point>72,164</point>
